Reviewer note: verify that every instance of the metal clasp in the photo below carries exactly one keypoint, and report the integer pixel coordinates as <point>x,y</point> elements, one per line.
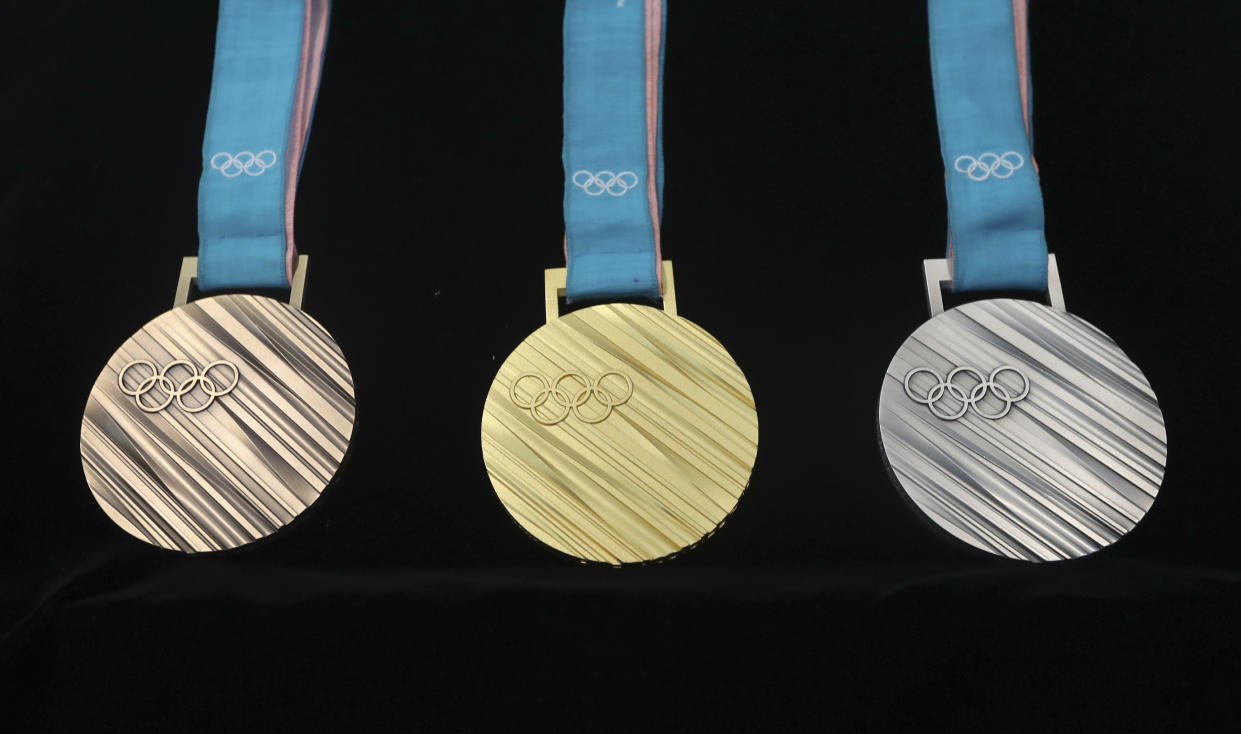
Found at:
<point>554,284</point>
<point>938,274</point>
<point>189,273</point>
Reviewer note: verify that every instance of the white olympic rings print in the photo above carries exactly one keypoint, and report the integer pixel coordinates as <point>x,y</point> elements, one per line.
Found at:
<point>945,387</point>
<point>616,184</point>
<point>989,165</point>
<point>173,390</point>
<point>552,402</point>
<point>251,164</point>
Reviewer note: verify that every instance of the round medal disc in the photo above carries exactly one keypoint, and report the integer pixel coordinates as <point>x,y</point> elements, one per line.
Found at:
<point>217,423</point>
<point>620,433</point>
<point>1022,430</point>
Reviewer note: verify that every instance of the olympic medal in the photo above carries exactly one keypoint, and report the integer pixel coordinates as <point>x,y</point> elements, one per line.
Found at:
<point>1022,430</point>
<point>218,423</point>
<point>619,433</point>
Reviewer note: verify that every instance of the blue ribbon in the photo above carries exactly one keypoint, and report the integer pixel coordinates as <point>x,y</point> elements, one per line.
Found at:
<point>613,86</point>
<point>995,205</point>
<point>267,59</point>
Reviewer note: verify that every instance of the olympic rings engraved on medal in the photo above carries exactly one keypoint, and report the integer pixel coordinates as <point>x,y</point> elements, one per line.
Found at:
<point>989,165</point>
<point>172,390</point>
<point>251,164</point>
<point>616,184</point>
<point>970,400</point>
<point>553,401</point>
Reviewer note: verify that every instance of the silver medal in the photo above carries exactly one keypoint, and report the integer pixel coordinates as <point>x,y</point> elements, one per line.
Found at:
<point>1021,429</point>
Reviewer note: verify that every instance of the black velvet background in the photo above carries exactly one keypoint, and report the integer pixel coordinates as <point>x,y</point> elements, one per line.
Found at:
<point>804,186</point>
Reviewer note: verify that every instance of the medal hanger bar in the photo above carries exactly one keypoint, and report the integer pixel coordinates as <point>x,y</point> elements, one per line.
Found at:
<point>554,288</point>
<point>189,274</point>
<point>938,274</point>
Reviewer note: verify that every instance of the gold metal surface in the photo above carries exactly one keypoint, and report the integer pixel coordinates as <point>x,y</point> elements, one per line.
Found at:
<point>189,272</point>
<point>217,423</point>
<point>554,284</point>
<point>620,433</point>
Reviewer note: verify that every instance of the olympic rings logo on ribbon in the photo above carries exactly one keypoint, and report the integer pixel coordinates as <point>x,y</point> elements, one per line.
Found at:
<point>245,162</point>
<point>945,389</point>
<point>988,165</point>
<point>551,402</point>
<point>616,184</point>
<point>160,381</point>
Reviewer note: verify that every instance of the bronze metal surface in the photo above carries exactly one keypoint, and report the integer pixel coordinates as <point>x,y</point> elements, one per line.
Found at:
<point>217,423</point>
<point>619,433</point>
<point>189,276</point>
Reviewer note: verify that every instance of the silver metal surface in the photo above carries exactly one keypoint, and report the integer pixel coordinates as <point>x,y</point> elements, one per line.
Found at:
<point>1022,430</point>
<point>189,273</point>
<point>217,423</point>
<point>937,274</point>
<point>1055,294</point>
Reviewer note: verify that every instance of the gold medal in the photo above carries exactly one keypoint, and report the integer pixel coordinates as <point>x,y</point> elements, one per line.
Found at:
<point>619,433</point>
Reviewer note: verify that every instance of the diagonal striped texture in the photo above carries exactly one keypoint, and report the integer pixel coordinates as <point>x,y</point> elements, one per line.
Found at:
<point>248,463</point>
<point>1073,467</point>
<point>661,472</point>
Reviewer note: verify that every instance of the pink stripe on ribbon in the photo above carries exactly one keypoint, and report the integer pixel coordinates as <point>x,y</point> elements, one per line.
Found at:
<point>314,37</point>
<point>654,31</point>
<point>1022,37</point>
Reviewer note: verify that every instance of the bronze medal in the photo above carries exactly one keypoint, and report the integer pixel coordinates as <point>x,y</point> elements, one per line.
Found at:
<point>217,423</point>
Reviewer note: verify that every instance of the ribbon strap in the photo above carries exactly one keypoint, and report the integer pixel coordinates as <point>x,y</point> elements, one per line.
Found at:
<point>268,56</point>
<point>613,154</point>
<point>980,69</point>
